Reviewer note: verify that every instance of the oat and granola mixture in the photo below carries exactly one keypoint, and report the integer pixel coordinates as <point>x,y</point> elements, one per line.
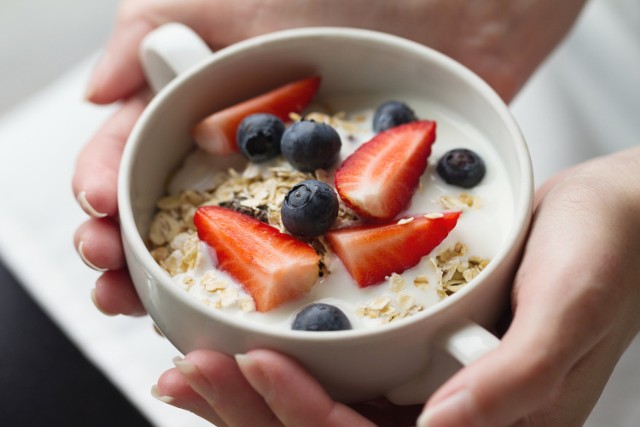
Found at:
<point>453,271</point>
<point>259,191</point>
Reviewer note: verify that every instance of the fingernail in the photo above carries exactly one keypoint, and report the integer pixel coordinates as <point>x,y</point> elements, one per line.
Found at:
<point>254,374</point>
<point>456,410</point>
<point>185,367</point>
<point>155,392</point>
<point>96,77</point>
<point>91,90</point>
<point>86,206</point>
<point>95,302</point>
<point>194,378</point>
<point>80,249</point>
<point>178,403</point>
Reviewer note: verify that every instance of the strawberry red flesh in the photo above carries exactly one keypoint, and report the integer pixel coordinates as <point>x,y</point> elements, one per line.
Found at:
<point>272,266</point>
<point>217,132</point>
<point>378,180</point>
<point>371,253</point>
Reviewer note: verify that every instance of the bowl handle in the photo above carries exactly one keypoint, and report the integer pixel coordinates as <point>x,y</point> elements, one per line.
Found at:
<point>467,341</point>
<point>464,342</point>
<point>170,50</point>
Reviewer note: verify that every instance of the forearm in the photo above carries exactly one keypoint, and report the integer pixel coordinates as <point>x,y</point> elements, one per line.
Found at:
<point>504,41</point>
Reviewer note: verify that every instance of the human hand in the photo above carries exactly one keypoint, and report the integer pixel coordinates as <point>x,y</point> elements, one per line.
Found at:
<point>95,186</point>
<point>480,45</point>
<point>575,302</point>
<point>264,388</point>
<point>575,311</point>
<point>501,41</point>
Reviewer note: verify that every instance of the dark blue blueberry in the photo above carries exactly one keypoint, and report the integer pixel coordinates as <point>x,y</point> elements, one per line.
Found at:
<point>321,317</point>
<point>310,145</point>
<point>391,114</point>
<point>310,208</point>
<point>461,167</point>
<point>259,137</point>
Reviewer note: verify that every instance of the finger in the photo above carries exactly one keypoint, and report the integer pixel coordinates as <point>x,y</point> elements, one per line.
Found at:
<point>174,390</point>
<point>118,74</point>
<point>558,319</point>
<point>114,294</point>
<point>496,391</point>
<point>295,397</point>
<point>573,400</point>
<point>99,246</point>
<point>217,379</point>
<point>96,174</point>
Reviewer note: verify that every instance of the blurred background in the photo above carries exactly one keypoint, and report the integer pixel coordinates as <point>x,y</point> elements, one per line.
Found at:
<point>47,376</point>
<point>42,39</point>
<point>62,363</point>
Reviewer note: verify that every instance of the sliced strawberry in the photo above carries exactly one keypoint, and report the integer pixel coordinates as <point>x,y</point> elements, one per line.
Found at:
<point>371,253</point>
<point>272,266</point>
<point>378,180</point>
<point>217,133</point>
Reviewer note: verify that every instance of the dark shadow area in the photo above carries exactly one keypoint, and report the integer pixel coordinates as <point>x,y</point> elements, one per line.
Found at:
<point>44,379</point>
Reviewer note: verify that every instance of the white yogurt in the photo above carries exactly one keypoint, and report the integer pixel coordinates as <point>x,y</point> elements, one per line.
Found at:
<point>481,229</point>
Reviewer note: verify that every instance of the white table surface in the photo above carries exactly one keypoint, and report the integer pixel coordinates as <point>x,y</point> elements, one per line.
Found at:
<point>45,122</point>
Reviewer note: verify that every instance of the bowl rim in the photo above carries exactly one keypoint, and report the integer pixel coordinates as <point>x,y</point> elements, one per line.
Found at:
<point>523,199</point>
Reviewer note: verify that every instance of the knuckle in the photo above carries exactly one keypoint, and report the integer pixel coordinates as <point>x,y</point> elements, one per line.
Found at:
<point>539,374</point>
<point>129,9</point>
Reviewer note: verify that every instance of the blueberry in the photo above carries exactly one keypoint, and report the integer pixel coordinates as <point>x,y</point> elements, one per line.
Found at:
<point>321,317</point>
<point>310,208</point>
<point>391,114</point>
<point>309,145</point>
<point>259,136</point>
<point>461,167</point>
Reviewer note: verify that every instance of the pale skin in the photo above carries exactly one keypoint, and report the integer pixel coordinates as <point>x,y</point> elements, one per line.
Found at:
<point>576,293</point>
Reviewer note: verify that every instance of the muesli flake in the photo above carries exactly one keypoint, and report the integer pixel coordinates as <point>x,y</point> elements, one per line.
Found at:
<point>461,201</point>
<point>388,308</point>
<point>421,282</point>
<point>257,191</point>
<point>454,271</point>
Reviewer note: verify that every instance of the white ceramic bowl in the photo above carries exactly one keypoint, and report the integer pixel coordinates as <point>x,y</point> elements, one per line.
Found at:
<point>402,360</point>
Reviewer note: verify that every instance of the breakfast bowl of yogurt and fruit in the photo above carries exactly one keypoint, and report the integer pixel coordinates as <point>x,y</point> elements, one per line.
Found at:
<point>349,198</point>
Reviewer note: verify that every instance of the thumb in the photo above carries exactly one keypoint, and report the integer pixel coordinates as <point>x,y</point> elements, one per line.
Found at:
<point>533,362</point>
<point>558,319</point>
<point>497,390</point>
